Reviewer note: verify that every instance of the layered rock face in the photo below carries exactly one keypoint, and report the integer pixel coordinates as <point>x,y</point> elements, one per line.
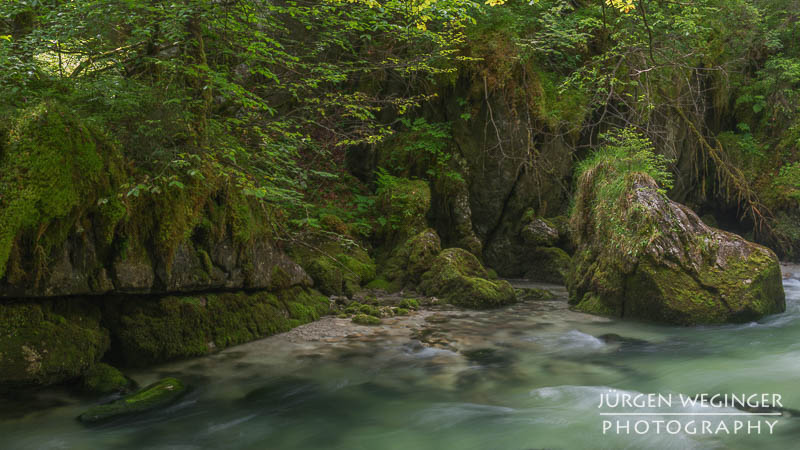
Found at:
<point>65,229</point>
<point>656,260</point>
<point>76,255</point>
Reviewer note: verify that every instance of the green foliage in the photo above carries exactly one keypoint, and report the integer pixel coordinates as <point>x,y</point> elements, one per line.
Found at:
<point>605,180</point>
<point>244,91</point>
<point>788,182</point>
<point>402,205</point>
<point>422,148</point>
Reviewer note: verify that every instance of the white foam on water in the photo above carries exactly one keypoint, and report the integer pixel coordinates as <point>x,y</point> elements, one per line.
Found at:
<point>224,426</point>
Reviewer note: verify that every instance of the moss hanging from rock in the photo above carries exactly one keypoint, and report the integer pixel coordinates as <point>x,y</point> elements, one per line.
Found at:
<point>53,169</point>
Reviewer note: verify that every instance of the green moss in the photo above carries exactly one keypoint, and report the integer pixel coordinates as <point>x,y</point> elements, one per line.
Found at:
<point>104,379</point>
<point>364,319</point>
<point>593,304</point>
<point>334,224</point>
<point>111,213</point>
<point>335,268</point>
<point>152,331</point>
<point>409,303</point>
<point>457,276</point>
<point>381,283</point>
<point>401,311</point>
<point>370,310</point>
<point>53,168</point>
<point>409,260</point>
<point>49,342</point>
<point>280,279</point>
<point>528,294</point>
<point>157,395</point>
<point>205,259</point>
<point>327,275</point>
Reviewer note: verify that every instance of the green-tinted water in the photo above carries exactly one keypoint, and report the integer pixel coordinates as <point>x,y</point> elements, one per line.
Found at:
<point>528,376</point>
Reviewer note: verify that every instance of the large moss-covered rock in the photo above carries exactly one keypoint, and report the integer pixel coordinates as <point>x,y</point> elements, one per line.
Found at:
<point>150,331</point>
<point>49,342</point>
<point>157,395</point>
<point>335,268</point>
<point>641,255</point>
<point>458,277</point>
<point>410,260</point>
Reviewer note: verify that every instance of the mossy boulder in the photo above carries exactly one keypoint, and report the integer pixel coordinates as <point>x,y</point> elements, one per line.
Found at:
<point>105,379</point>
<point>157,395</point>
<point>539,232</point>
<point>49,342</point>
<point>458,277</point>
<point>641,255</point>
<point>365,319</point>
<point>548,264</point>
<point>411,259</point>
<point>148,331</point>
<point>335,268</point>
<point>409,303</point>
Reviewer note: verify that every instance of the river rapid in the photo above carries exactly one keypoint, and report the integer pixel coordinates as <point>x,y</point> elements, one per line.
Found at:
<point>524,377</point>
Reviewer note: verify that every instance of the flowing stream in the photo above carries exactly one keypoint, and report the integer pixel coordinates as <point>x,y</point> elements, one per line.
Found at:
<point>524,377</point>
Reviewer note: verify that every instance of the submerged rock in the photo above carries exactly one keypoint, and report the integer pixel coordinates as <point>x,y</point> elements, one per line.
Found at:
<point>641,255</point>
<point>458,277</point>
<point>157,395</point>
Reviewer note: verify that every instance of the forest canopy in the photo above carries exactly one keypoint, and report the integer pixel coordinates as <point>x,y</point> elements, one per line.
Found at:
<point>270,95</point>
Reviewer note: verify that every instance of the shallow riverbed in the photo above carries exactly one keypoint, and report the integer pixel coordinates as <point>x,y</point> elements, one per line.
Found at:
<point>528,376</point>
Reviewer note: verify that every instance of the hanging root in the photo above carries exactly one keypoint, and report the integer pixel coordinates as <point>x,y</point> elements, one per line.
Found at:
<point>734,185</point>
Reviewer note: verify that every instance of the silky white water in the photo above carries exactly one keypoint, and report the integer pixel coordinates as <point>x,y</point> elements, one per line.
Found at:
<point>524,377</point>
